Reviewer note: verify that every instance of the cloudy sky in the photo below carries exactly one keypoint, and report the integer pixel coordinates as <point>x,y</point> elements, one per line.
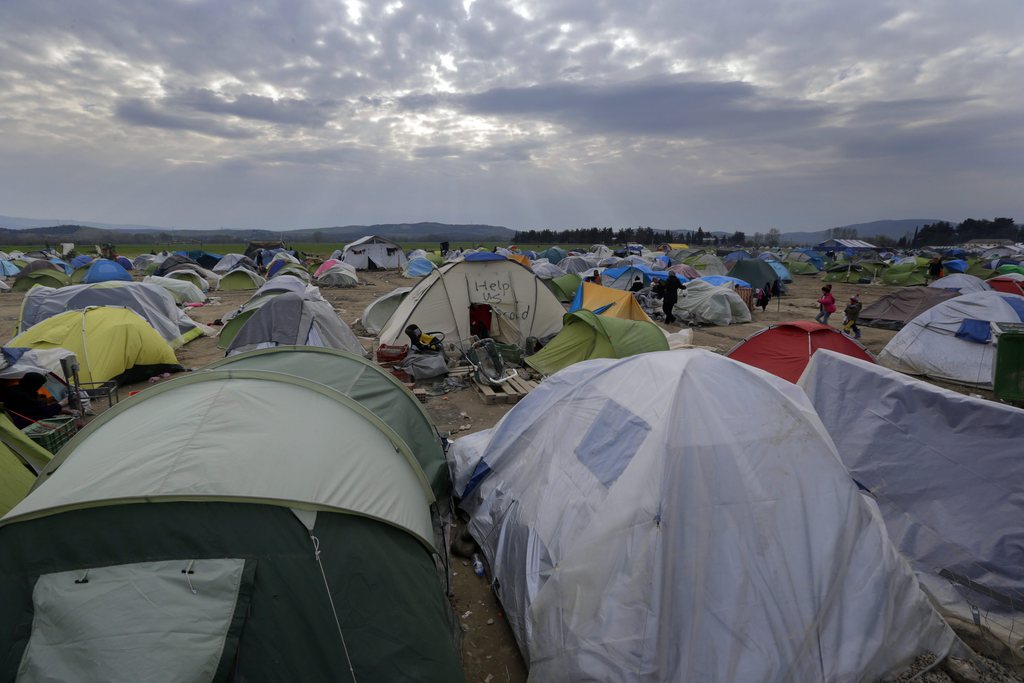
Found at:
<point>734,114</point>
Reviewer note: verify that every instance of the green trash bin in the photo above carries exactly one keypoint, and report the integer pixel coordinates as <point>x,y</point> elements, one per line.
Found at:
<point>1008,374</point>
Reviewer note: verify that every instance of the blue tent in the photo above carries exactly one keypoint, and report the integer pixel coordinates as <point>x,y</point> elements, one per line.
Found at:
<point>719,280</point>
<point>8,269</point>
<point>124,262</point>
<point>104,270</point>
<point>80,261</point>
<point>553,254</point>
<point>956,266</point>
<point>780,270</point>
<point>63,264</point>
<point>628,273</point>
<point>737,256</point>
<point>418,267</point>
<point>485,256</point>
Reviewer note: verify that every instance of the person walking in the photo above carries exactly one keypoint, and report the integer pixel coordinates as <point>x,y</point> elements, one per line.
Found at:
<point>670,295</point>
<point>935,269</point>
<point>764,296</point>
<point>850,315</point>
<point>826,305</point>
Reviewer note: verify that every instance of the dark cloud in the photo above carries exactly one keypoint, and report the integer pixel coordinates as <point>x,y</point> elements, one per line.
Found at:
<point>285,110</point>
<point>653,107</point>
<point>138,112</point>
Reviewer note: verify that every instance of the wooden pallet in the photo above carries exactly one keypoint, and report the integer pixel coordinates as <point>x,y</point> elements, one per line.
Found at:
<point>508,392</point>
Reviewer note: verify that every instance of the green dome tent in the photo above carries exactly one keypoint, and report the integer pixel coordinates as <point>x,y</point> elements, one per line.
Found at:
<point>564,286</point>
<point>907,274</point>
<point>366,382</point>
<point>586,335</point>
<point>239,279</point>
<point>26,280</point>
<point>228,525</point>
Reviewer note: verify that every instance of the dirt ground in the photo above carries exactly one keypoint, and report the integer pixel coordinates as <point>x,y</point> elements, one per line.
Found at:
<point>490,654</point>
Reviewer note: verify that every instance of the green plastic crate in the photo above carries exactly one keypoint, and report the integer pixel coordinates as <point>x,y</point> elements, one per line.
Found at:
<point>52,433</point>
<point>1008,380</point>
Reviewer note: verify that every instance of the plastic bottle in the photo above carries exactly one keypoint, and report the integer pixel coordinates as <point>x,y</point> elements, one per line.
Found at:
<point>478,566</point>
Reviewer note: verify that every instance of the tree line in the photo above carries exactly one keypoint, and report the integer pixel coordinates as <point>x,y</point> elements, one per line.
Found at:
<point>944,233</point>
<point>639,235</point>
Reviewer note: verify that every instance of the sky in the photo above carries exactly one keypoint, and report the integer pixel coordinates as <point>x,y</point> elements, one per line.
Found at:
<point>731,115</point>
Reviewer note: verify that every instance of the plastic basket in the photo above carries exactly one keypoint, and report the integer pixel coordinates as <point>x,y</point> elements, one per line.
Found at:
<point>391,354</point>
<point>52,433</point>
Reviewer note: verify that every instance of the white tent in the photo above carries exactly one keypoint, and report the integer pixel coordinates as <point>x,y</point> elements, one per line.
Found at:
<point>183,291</point>
<point>952,340</point>
<point>702,303</point>
<point>521,305</point>
<point>640,528</point>
<point>961,282</point>
<point>372,252</point>
<point>378,311</point>
<point>948,477</point>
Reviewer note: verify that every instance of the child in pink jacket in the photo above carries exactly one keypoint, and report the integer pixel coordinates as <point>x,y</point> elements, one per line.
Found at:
<point>826,305</point>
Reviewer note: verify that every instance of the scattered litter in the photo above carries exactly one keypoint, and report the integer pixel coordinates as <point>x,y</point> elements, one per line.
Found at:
<point>467,614</point>
<point>490,622</point>
<point>447,385</point>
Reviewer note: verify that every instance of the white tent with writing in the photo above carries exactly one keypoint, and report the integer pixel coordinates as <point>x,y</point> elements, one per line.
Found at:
<point>506,299</point>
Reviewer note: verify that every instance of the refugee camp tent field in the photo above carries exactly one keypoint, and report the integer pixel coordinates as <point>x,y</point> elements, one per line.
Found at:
<point>489,648</point>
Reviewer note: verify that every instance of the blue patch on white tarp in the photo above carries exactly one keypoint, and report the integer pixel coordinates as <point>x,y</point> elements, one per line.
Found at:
<point>978,331</point>
<point>611,442</point>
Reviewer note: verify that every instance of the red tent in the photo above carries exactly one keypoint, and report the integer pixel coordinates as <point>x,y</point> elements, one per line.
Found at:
<point>785,349</point>
<point>1008,284</point>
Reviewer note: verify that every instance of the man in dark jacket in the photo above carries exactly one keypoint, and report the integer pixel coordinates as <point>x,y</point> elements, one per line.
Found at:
<point>670,295</point>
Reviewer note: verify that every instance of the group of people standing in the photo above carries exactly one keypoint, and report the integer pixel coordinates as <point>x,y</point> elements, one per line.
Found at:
<point>827,306</point>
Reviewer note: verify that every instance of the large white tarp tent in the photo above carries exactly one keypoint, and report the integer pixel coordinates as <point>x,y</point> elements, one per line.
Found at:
<point>640,528</point>
<point>947,472</point>
<point>952,340</point>
<point>372,252</point>
<point>521,305</point>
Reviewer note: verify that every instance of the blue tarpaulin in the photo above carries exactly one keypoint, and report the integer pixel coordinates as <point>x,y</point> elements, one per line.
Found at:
<point>978,331</point>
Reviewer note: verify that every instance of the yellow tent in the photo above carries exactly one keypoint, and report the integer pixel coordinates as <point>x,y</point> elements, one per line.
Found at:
<point>669,246</point>
<point>17,454</point>
<point>108,342</point>
<point>520,258</point>
<point>611,303</point>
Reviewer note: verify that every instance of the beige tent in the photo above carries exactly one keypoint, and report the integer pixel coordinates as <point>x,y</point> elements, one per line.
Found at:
<point>521,305</point>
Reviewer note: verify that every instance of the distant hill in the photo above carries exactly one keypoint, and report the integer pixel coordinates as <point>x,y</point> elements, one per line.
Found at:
<point>15,230</point>
<point>893,229</point>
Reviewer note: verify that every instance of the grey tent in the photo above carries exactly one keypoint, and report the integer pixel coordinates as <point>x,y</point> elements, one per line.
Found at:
<point>291,320</point>
<point>176,262</point>
<point>755,271</point>
<point>377,312</point>
<point>235,524</point>
<point>152,302</point>
<point>273,287</point>
<point>895,310</point>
